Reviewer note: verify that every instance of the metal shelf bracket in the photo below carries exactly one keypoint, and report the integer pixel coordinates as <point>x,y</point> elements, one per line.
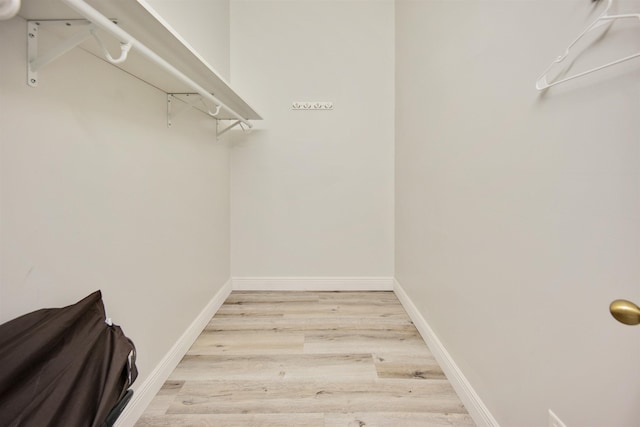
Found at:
<point>178,103</point>
<point>188,100</point>
<point>88,30</point>
<point>228,128</point>
<point>35,62</point>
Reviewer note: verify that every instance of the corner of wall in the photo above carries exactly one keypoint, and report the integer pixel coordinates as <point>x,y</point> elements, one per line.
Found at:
<point>145,393</point>
<point>472,402</point>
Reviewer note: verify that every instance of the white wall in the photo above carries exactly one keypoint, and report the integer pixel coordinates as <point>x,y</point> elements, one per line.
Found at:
<point>97,193</point>
<point>204,25</point>
<point>312,191</point>
<point>517,213</point>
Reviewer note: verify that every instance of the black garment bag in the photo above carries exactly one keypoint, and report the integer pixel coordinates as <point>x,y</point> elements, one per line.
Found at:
<point>64,367</point>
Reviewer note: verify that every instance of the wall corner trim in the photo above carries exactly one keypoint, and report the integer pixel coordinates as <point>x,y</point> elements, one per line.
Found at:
<point>143,395</point>
<point>312,283</point>
<point>476,408</point>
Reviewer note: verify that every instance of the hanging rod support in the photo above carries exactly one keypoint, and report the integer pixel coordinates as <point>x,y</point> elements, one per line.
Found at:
<point>212,114</point>
<point>35,62</point>
<point>124,49</point>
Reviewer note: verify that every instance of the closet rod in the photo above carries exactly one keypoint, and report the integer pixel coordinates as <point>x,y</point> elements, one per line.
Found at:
<point>105,24</point>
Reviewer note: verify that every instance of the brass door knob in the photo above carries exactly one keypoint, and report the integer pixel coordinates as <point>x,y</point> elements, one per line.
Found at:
<point>625,312</point>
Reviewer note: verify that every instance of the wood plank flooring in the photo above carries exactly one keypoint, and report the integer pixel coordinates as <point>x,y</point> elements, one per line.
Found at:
<point>325,359</point>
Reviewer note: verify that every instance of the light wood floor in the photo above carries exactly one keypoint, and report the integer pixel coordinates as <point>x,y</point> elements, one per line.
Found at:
<point>325,359</point>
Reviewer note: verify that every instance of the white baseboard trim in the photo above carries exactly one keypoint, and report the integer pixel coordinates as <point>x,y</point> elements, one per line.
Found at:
<point>312,283</point>
<point>477,409</point>
<point>150,387</point>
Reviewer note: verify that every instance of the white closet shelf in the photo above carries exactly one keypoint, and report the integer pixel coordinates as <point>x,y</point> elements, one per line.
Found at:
<point>181,69</point>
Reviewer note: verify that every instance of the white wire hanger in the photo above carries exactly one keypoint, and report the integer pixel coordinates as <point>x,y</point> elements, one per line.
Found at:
<point>604,19</point>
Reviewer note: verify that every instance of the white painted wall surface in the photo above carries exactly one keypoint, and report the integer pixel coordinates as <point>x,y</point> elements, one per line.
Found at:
<point>312,191</point>
<point>204,25</point>
<point>517,213</point>
<point>97,193</point>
